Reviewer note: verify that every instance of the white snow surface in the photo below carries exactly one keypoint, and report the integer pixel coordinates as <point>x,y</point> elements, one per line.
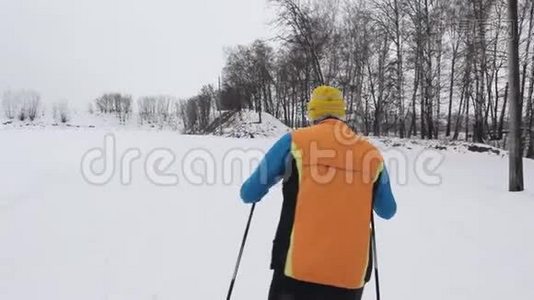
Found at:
<point>63,238</point>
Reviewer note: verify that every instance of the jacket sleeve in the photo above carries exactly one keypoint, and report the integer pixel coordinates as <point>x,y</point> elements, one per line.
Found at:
<point>268,173</point>
<point>384,202</point>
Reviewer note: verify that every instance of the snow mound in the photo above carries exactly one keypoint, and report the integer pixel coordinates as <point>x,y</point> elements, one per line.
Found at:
<point>246,124</point>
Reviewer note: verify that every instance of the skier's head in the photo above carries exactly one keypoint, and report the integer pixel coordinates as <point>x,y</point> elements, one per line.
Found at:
<point>325,102</point>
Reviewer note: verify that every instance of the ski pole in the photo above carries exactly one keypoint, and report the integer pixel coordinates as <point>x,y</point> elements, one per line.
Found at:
<point>240,253</point>
<point>375,257</point>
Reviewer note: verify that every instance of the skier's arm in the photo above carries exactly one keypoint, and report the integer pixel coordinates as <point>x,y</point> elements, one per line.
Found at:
<point>384,202</point>
<point>268,173</point>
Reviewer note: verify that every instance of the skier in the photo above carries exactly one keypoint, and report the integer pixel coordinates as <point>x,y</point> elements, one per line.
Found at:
<point>332,178</point>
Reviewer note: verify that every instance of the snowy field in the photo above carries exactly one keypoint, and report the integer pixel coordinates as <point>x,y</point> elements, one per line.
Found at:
<point>62,237</point>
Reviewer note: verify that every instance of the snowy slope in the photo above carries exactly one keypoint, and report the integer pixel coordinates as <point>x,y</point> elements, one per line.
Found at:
<point>246,124</point>
<point>63,238</point>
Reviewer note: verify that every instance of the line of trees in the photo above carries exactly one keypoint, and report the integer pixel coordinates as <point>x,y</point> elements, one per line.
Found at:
<point>426,68</point>
<point>199,111</point>
<point>23,105</point>
<point>157,110</point>
<point>115,103</point>
<point>191,115</point>
<point>26,105</point>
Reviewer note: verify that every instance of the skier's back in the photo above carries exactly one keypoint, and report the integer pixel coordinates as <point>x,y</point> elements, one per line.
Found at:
<point>332,178</point>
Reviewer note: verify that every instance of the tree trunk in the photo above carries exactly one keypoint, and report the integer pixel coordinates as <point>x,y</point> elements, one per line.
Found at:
<point>515,156</point>
<point>460,115</point>
<point>413,123</point>
<point>400,74</point>
<point>503,111</point>
<point>527,49</point>
<point>530,113</point>
<point>524,76</point>
<point>451,87</point>
<point>438,87</point>
<point>467,100</point>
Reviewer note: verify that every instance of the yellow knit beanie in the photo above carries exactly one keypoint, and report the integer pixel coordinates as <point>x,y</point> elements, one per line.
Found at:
<point>326,101</point>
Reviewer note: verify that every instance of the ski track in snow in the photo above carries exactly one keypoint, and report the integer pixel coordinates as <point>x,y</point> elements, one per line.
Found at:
<point>62,238</point>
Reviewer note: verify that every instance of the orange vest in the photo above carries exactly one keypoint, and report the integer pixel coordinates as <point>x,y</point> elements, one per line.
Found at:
<point>331,231</point>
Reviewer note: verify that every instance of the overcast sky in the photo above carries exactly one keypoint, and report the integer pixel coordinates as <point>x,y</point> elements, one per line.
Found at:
<point>78,49</point>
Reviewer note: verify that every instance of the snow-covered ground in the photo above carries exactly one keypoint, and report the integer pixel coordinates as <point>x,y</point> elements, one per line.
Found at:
<point>64,238</point>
